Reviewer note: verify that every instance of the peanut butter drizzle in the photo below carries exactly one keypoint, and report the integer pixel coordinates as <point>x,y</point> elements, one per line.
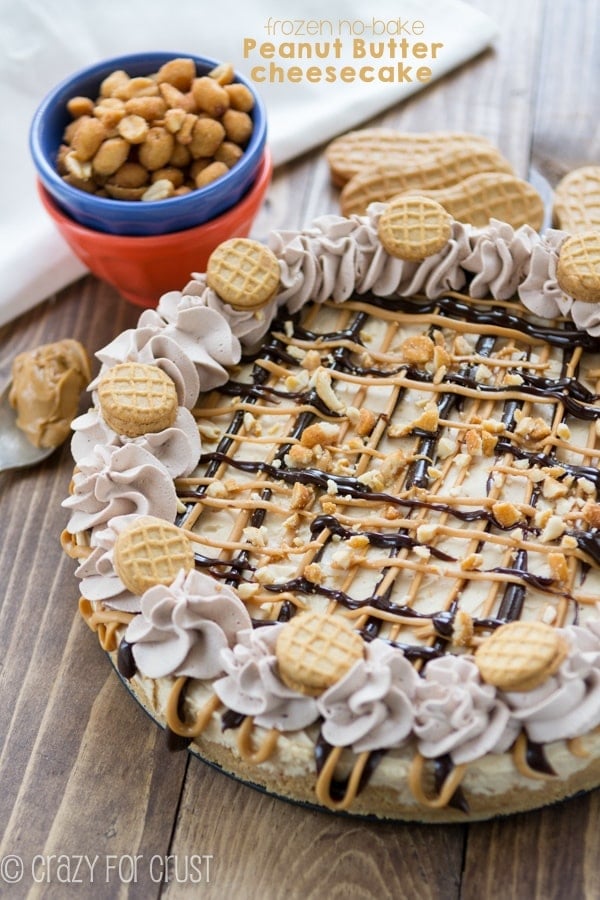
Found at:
<point>188,729</point>
<point>447,791</point>
<point>244,742</point>
<point>576,747</point>
<point>74,544</point>
<point>520,760</point>
<point>104,622</point>
<point>326,775</point>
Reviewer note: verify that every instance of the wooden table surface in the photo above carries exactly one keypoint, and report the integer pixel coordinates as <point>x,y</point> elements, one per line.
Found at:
<point>84,772</point>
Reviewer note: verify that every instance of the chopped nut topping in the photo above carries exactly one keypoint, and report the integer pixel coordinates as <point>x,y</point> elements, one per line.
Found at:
<point>552,489</point>
<point>246,590</point>
<point>326,392</point>
<point>533,429</point>
<point>555,528</point>
<point>216,489</point>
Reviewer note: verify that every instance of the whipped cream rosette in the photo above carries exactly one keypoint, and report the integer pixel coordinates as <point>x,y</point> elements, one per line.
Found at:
<point>252,685</point>
<point>183,627</point>
<point>117,481</point>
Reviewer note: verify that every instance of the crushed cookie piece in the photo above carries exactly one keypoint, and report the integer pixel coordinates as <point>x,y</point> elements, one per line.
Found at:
<point>473,442</point>
<point>558,566</point>
<point>441,357</point>
<point>312,360</point>
<point>470,562</point>
<point>292,522</point>
<point>506,514</point>
<point>209,433</point>
<point>314,573</point>
<point>302,496</point>
<point>216,489</point>
<point>564,432</point>
<point>359,541</point>
<point>297,381</point>
<point>440,374</point>
<point>298,456</point>
<point>392,466</point>
<point>327,506</point>
<point>372,479</point>
<point>417,350</point>
<point>366,422</point>
<point>265,575</point>
<point>533,429</point>
<point>586,486</point>
<point>488,443</point>
<point>319,433</point>
<point>493,426</point>
<point>426,532</point>
<point>591,514</point>
<point>483,373</point>
<point>513,379</point>
<point>422,552</point>
<point>332,487</point>
<point>462,629</point>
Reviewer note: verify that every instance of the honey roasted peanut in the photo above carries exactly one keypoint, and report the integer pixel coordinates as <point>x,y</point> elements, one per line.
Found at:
<point>171,128</point>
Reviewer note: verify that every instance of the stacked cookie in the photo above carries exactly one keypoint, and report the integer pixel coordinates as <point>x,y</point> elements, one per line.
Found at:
<point>576,209</point>
<point>463,172</point>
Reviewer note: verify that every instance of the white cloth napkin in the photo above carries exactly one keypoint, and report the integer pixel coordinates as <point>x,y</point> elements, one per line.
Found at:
<point>43,41</point>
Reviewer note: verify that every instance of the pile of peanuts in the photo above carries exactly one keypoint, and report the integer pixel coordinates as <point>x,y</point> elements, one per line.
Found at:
<point>149,138</point>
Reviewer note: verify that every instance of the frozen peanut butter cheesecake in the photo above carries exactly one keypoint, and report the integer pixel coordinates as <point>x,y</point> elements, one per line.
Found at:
<point>345,545</point>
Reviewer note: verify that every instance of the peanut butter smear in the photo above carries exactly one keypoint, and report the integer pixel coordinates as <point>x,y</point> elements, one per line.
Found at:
<point>46,385</point>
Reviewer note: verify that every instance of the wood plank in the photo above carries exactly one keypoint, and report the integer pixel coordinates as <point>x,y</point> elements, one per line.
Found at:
<point>566,132</point>
<point>269,848</point>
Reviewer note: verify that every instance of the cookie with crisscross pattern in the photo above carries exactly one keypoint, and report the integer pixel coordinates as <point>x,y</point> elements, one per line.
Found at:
<point>414,227</point>
<point>519,656</point>
<point>577,201</point>
<point>578,268</point>
<point>150,552</point>
<point>435,171</point>
<point>244,273</point>
<point>491,195</point>
<point>137,398</point>
<point>315,650</point>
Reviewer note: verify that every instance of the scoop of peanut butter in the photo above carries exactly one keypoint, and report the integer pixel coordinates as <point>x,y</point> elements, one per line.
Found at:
<point>46,385</point>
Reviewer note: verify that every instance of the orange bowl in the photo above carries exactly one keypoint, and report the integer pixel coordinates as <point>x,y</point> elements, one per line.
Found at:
<point>142,269</point>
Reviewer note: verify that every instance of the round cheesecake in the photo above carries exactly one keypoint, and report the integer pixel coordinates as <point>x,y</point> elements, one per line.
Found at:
<point>359,565</point>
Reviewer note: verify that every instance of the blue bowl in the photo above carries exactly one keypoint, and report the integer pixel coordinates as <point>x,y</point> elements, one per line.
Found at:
<point>128,217</point>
